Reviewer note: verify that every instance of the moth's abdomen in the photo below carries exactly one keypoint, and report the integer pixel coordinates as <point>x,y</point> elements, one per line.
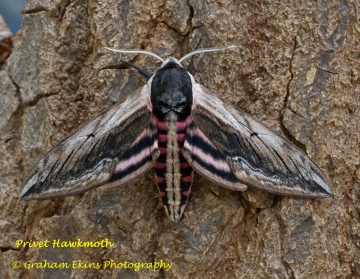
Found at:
<point>173,173</point>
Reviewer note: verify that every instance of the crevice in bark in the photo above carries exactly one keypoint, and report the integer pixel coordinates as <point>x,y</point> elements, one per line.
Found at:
<point>23,213</point>
<point>34,101</point>
<point>15,123</point>
<point>189,23</point>
<point>257,213</point>
<point>191,16</point>
<point>35,10</point>
<point>16,86</point>
<point>14,126</point>
<point>276,200</point>
<point>285,103</point>
<point>294,112</point>
<point>290,80</point>
<point>283,233</point>
<point>17,114</point>
<point>289,270</point>
<point>171,28</point>
<point>190,19</point>
<point>327,71</point>
<point>62,10</point>
<point>186,42</point>
<point>8,248</point>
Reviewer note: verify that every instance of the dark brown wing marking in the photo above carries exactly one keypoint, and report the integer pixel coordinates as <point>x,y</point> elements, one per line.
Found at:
<point>206,159</point>
<point>87,158</point>
<point>256,155</point>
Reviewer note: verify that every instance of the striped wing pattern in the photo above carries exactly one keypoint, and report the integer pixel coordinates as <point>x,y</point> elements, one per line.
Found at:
<point>88,157</point>
<point>217,140</point>
<point>138,159</point>
<point>257,156</point>
<point>206,159</point>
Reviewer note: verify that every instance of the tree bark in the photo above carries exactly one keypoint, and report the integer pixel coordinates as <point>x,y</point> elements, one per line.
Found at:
<point>296,68</point>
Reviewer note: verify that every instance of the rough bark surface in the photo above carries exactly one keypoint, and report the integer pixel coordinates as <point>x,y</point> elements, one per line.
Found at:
<point>296,69</point>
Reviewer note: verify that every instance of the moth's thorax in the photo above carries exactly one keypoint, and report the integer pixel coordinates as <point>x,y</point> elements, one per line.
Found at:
<point>171,93</point>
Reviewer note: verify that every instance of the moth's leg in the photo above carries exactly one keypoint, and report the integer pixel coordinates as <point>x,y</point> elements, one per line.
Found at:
<point>142,72</point>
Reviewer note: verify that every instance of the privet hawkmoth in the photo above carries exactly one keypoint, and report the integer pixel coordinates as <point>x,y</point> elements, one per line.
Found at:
<point>177,126</point>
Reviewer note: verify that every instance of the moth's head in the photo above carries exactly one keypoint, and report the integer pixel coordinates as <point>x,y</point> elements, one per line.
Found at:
<point>171,88</point>
<point>171,91</point>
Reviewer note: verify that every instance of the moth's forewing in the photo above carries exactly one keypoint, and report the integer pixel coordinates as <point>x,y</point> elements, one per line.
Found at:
<point>257,156</point>
<point>87,158</point>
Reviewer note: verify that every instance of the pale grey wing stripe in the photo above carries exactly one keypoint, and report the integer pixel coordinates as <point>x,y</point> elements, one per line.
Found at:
<point>256,155</point>
<point>87,158</point>
<point>207,160</point>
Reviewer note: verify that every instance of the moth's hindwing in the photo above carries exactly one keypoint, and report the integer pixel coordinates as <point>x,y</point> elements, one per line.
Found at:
<point>139,158</point>
<point>256,155</point>
<point>87,158</point>
<point>206,159</point>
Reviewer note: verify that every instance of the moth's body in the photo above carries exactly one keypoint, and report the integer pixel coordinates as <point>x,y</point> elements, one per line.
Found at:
<point>171,99</point>
<point>176,126</point>
<point>173,173</point>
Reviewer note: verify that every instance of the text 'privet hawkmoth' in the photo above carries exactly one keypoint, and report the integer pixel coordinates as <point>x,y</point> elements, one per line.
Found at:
<point>177,126</point>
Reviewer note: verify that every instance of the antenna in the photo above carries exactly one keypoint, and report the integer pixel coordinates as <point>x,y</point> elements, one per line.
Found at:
<point>162,60</point>
<point>205,50</point>
<point>136,51</point>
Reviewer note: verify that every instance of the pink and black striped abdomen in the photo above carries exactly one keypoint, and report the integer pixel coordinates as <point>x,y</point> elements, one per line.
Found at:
<point>173,173</point>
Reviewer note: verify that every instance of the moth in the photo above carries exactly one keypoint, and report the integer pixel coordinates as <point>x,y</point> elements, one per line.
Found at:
<point>176,126</point>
